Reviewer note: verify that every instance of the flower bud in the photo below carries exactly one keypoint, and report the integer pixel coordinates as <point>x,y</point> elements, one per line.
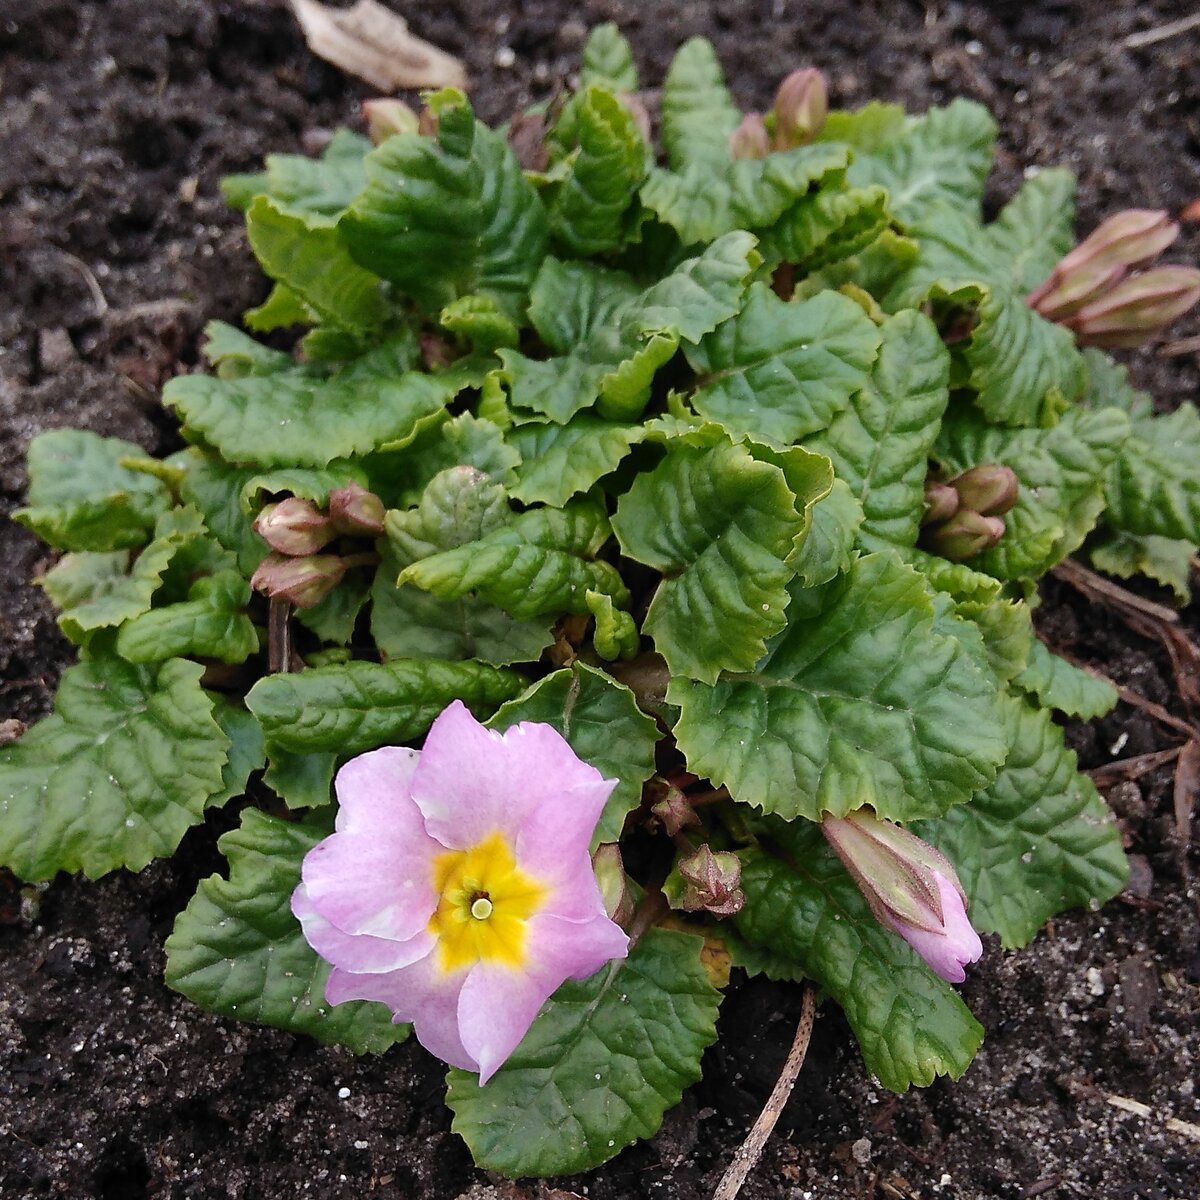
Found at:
<point>638,111</point>
<point>674,811</point>
<point>712,881</point>
<point>750,138</point>
<point>990,490</point>
<point>294,526</point>
<point>964,535</point>
<point>387,117</point>
<point>1126,240</point>
<point>801,106</point>
<point>614,885</point>
<point>1134,311</point>
<point>941,503</point>
<point>910,887</point>
<point>355,511</point>
<point>301,581</point>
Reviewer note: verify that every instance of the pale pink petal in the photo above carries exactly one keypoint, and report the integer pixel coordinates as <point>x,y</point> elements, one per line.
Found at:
<point>948,950</point>
<point>559,826</point>
<point>497,1004</point>
<point>355,952</point>
<point>375,874</point>
<point>472,782</point>
<point>419,993</point>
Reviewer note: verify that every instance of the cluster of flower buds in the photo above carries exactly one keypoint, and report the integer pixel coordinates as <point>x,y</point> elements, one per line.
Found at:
<point>964,516</point>
<point>712,882</point>
<point>1092,292</point>
<point>799,113</point>
<point>911,888</point>
<point>297,530</point>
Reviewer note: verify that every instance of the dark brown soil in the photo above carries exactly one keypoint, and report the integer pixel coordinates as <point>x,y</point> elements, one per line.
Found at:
<point>118,119</point>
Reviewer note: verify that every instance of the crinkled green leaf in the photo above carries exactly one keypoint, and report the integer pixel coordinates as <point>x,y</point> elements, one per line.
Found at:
<point>301,418</point>
<point>1059,684</point>
<point>117,774</point>
<point>480,320</point>
<point>1036,227</point>
<point>829,546</point>
<point>310,483</point>
<point>945,155</point>
<point>781,370</point>
<point>559,461</point>
<point>1061,473</point>
<point>868,129</point>
<point>802,905</point>
<point>360,706</point>
<point>81,498</point>
<point>615,634</point>
<point>246,752</point>
<point>215,488</point>
<point>880,444</point>
<point>451,217</point>
<point>541,561</point>
<point>281,308</point>
<point>234,353</point>
<point>238,951</point>
<point>300,780</point>
<point>599,1067</point>
<point>698,114</point>
<point>600,719</point>
<point>721,526</point>
<point>1163,560</point>
<point>706,199</point>
<point>334,618</point>
<point>827,226</point>
<point>211,623</point>
<point>608,60</point>
<point>1038,840</point>
<point>859,701</point>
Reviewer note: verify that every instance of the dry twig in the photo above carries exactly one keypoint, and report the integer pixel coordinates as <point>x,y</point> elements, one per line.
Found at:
<point>1160,33</point>
<point>751,1149</point>
<point>279,635</point>
<point>1129,769</point>
<point>1110,594</point>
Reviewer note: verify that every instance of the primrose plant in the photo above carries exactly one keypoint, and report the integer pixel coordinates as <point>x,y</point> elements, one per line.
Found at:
<point>628,574</point>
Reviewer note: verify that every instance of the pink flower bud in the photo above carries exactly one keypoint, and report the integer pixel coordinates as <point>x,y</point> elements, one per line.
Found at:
<point>1134,311</point>
<point>964,535</point>
<point>387,117</point>
<point>1126,240</point>
<point>712,882</point>
<point>801,106</point>
<point>638,111</point>
<point>614,885</point>
<point>989,489</point>
<point>674,811</point>
<point>294,526</point>
<point>750,139</point>
<point>941,503</point>
<point>301,581</point>
<point>355,511</point>
<point>911,888</point>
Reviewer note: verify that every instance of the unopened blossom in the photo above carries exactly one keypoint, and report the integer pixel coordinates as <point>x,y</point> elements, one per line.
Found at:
<point>303,582</point>
<point>457,888</point>
<point>990,489</point>
<point>356,512</point>
<point>386,116</point>
<point>712,882</point>
<point>962,535</point>
<point>801,108</point>
<point>911,888</point>
<point>294,526</point>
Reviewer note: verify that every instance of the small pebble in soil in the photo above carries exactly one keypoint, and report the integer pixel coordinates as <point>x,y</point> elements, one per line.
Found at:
<point>343,1093</point>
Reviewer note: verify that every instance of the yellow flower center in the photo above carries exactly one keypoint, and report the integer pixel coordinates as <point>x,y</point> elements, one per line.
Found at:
<point>484,904</point>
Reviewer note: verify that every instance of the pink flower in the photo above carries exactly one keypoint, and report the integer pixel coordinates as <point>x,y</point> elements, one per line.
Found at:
<point>457,888</point>
<point>911,888</point>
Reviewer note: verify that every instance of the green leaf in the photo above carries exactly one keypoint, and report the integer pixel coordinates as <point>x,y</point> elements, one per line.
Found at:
<point>480,320</point>
<point>281,308</point>
<point>859,701</point>
<point>698,114</point>
<point>215,488</point>
<point>334,618</point>
<point>880,444</point>
<point>1036,841</point>
<point>944,155</point>
<point>781,370</point>
<point>233,353</point>
<point>1059,684</point>
<point>211,623</point>
<point>300,418</point>
<point>300,780</point>
<point>1163,560</point>
<point>600,719</point>
<point>641,1025</point>
<point>360,706</point>
<point>1036,227</point>
<point>608,60</point>
<point>1061,473</point>
<point>246,750</point>
<point>238,951</point>
<point>802,905</point>
<point>827,226</point>
<point>559,461</point>
<point>721,526</point>
<point>81,498</point>
<point>868,129</point>
<point>117,774</point>
<point>603,161</point>
<point>828,548</point>
<point>541,561</point>
<point>708,198</point>
<point>451,217</point>
<point>616,634</point>
<point>315,266</point>
<point>310,483</point>
<point>319,188</point>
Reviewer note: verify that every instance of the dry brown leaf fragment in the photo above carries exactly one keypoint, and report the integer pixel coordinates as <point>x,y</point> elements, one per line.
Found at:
<point>373,43</point>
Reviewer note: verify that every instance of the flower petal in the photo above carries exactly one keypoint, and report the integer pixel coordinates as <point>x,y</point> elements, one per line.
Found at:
<point>948,950</point>
<point>359,953</point>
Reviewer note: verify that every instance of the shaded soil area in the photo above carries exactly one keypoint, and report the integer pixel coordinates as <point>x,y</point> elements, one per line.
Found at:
<point>118,119</point>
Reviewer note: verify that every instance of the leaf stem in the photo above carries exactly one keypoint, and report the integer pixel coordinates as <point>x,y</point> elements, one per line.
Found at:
<point>279,636</point>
